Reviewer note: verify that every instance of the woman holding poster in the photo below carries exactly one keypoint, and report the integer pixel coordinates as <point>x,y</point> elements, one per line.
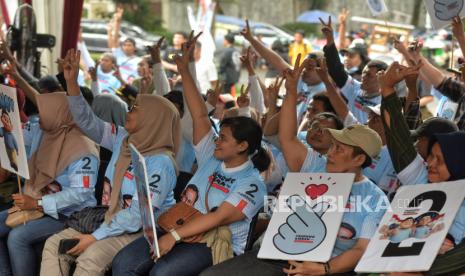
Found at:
<point>228,171</point>
<point>446,154</point>
<point>157,138</point>
<point>63,158</point>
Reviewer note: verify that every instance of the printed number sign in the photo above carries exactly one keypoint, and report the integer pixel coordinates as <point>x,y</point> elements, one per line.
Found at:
<point>442,11</point>
<point>412,232</point>
<point>12,151</point>
<point>307,217</point>
<point>145,199</point>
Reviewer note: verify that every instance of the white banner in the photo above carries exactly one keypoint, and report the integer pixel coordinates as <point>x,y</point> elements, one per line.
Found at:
<point>442,11</point>
<point>12,152</point>
<point>307,217</point>
<point>145,199</point>
<point>411,234</point>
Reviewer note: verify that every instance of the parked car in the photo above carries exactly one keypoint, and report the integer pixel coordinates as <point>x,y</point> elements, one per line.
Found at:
<point>228,24</point>
<point>94,33</point>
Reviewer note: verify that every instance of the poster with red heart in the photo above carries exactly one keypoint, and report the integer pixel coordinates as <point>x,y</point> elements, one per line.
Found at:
<point>306,217</point>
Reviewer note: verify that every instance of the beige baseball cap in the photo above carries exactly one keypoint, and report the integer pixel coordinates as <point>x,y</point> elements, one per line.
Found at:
<point>359,136</point>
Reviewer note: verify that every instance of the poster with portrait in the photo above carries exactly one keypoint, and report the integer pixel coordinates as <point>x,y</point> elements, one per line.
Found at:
<point>12,151</point>
<point>145,199</point>
<point>443,11</point>
<point>377,7</point>
<point>306,217</point>
<point>412,232</point>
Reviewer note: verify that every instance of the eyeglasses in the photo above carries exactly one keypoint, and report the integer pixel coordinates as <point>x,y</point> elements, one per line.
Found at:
<point>315,126</point>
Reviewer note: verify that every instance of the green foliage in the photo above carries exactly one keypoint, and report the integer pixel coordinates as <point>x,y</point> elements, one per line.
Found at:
<point>309,29</point>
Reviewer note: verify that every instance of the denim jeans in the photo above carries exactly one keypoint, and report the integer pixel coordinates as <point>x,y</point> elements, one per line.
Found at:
<point>17,252</point>
<point>183,259</point>
<point>247,264</point>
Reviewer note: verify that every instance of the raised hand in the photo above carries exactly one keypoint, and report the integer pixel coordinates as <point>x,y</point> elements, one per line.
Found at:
<point>322,69</point>
<point>118,15</point>
<point>247,61</point>
<point>394,74</point>
<point>93,71</point>
<point>71,65</point>
<point>182,61</point>
<point>5,52</point>
<point>154,50</point>
<point>327,30</point>
<point>246,33</point>
<point>272,92</point>
<point>214,94</point>
<point>293,75</point>
<point>457,28</point>
<point>414,50</point>
<point>343,16</point>
<point>243,100</point>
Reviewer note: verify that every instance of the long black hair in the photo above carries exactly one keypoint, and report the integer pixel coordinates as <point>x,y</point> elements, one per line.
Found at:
<point>246,129</point>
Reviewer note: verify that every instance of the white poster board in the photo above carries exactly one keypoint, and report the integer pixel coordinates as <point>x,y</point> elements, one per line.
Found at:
<point>377,7</point>
<point>145,199</point>
<point>306,220</point>
<point>442,11</point>
<point>412,232</point>
<point>12,151</point>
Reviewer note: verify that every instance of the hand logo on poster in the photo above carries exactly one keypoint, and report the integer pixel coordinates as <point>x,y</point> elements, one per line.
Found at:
<point>445,10</point>
<point>6,103</point>
<point>304,229</point>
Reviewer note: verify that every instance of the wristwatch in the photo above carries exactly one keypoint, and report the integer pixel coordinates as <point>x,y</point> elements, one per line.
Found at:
<point>175,235</point>
<point>39,203</point>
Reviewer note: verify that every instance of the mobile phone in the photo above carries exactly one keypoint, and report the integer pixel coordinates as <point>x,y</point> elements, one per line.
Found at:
<point>66,244</point>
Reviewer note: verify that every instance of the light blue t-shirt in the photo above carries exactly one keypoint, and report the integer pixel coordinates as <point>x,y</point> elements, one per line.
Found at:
<point>352,91</point>
<point>107,83</point>
<point>446,108</point>
<point>241,187</point>
<point>160,170</point>
<point>417,173</point>
<point>307,92</point>
<point>127,65</point>
<point>185,157</point>
<point>357,222</point>
<point>74,187</point>
<point>382,172</point>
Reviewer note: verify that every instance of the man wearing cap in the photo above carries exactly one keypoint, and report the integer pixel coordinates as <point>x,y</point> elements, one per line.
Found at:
<point>352,149</point>
<point>427,130</point>
<point>355,59</point>
<point>126,54</point>
<point>358,94</point>
<point>230,64</point>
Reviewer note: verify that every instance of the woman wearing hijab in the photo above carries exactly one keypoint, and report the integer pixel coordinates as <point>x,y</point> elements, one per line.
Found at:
<point>446,156</point>
<point>64,158</point>
<point>156,138</point>
<point>228,178</point>
<point>110,109</point>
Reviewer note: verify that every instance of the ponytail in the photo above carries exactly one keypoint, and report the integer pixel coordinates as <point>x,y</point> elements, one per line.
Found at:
<point>261,160</point>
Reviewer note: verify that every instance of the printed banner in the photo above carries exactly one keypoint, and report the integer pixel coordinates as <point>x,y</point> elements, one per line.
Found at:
<point>145,199</point>
<point>377,7</point>
<point>307,216</point>
<point>442,11</point>
<point>12,151</point>
<point>410,235</point>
